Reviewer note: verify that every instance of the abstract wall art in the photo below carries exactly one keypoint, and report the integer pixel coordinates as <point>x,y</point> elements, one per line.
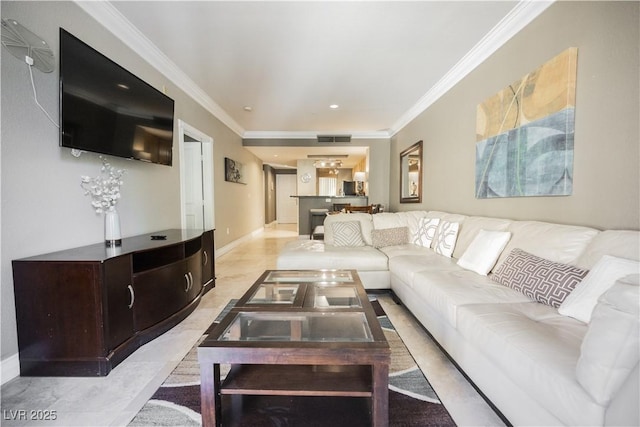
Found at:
<point>525,134</point>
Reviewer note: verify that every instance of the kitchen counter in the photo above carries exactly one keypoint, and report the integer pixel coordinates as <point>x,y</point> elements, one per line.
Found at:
<point>305,203</point>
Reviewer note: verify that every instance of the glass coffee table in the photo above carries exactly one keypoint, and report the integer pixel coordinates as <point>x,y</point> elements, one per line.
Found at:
<point>298,333</point>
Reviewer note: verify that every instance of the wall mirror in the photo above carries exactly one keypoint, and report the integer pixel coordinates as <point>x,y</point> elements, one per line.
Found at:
<point>411,174</point>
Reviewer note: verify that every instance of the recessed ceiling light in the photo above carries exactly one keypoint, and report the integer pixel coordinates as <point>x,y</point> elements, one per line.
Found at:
<point>334,106</point>
<point>247,108</point>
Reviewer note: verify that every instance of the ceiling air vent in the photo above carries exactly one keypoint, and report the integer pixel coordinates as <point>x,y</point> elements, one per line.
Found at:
<point>334,138</point>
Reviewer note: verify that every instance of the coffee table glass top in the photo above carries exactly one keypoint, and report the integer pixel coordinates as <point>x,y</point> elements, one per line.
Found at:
<point>298,326</point>
<point>309,276</point>
<point>274,293</point>
<point>335,296</point>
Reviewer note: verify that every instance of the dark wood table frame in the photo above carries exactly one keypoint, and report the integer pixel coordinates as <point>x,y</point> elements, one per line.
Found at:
<point>296,368</point>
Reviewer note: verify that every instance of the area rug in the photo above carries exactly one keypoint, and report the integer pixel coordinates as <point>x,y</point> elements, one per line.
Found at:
<point>412,401</point>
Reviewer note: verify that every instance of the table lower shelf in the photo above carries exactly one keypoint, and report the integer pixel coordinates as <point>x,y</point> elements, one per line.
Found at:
<point>299,380</point>
<point>317,411</point>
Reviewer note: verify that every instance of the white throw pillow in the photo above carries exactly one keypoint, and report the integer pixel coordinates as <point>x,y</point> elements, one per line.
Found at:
<point>580,302</point>
<point>347,233</point>
<point>426,231</point>
<point>446,236</point>
<point>610,348</point>
<point>484,250</point>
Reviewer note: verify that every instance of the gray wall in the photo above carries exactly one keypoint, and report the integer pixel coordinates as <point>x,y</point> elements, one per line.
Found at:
<point>44,208</point>
<point>379,159</point>
<point>606,181</point>
<point>269,194</point>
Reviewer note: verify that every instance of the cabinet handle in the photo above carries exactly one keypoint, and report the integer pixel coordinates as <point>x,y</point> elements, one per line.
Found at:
<point>186,278</point>
<point>206,258</point>
<point>190,281</point>
<point>133,295</point>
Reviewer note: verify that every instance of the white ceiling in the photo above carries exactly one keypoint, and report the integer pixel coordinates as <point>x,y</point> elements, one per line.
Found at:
<point>380,61</point>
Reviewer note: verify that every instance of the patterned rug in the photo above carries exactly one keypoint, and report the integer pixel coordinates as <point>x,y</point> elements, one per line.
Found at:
<point>412,401</point>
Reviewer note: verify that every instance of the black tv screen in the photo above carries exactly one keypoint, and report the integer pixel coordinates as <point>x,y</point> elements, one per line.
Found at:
<point>349,188</point>
<point>106,109</point>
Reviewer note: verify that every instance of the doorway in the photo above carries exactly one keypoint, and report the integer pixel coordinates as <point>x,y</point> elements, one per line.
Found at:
<point>286,206</point>
<point>196,178</point>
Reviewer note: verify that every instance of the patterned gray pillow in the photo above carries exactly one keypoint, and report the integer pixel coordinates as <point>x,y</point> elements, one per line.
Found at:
<point>347,233</point>
<point>545,281</point>
<point>390,237</point>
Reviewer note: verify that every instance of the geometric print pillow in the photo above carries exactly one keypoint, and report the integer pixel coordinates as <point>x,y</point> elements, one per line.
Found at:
<point>426,232</point>
<point>445,239</point>
<point>347,233</point>
<point>545,281</point>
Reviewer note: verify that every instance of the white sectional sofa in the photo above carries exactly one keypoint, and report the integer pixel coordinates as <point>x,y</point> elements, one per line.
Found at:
<point>533,360</point>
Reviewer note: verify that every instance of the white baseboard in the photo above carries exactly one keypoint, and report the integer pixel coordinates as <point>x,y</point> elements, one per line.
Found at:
<point>9,368</point>
<point>226,248</point>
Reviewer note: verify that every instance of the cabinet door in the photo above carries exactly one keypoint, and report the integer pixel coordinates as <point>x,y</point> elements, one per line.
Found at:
<point>208,267</point>
<point>159,293</point>
<point>194,271</point>
<point>59,311</point>
<point>119,301</point>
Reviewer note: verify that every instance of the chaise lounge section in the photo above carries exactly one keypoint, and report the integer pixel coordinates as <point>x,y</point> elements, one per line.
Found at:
<point>532,312</point>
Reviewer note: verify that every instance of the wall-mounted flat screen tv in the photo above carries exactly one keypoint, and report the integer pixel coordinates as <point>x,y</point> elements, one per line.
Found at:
<point>106,109</point>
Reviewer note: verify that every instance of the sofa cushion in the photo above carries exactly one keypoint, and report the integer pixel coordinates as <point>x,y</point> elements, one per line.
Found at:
<point>444,290</point>
<point>315,254</point>
<point>470,228</point>
<point>581,301</point>
<point>445,239</point>
<point>484,251</point>
<point>540,279</point>
<point>610,348</point>
<point>390,237</point>
<point>538,349</point>
<point>405,261</point>
<point>436,214</point>
<point>366,225</point>
<point>618,243</point>
<point>388,220</point>
<point>410,219</point>
<point>347,233</point>
<point>426,232</point>
<point>555,242</point>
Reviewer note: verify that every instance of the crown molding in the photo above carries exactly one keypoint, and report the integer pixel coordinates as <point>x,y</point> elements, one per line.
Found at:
<point>519,17</point>
<point>109,17</point>
<point>313,134</point>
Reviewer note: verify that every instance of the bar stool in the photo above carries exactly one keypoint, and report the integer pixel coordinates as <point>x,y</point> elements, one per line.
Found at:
<point>316,220</point>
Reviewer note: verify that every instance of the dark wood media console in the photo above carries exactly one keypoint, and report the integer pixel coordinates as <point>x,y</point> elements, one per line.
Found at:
<point>82,311</point>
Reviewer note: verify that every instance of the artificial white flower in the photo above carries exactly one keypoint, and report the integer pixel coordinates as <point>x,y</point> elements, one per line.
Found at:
<point>105,188</point>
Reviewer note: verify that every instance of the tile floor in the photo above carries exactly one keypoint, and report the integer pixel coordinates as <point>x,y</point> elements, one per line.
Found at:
<point>114,400</point>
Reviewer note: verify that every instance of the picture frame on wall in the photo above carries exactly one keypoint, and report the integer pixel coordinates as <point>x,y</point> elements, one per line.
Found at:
<point>233,171</point>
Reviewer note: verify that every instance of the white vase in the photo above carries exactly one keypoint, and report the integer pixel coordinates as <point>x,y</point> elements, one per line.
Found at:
<point>112,234</point>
